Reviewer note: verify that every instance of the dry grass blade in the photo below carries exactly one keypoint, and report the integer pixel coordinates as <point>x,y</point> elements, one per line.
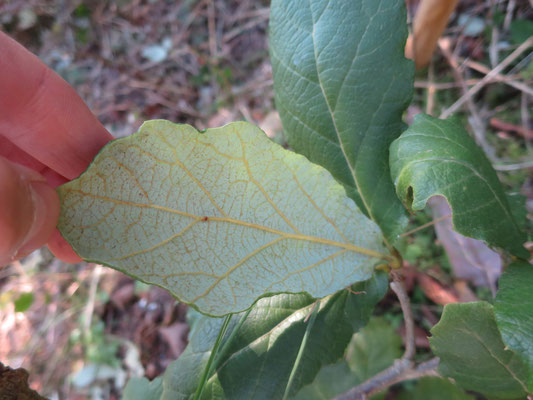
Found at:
<point>494,72</point>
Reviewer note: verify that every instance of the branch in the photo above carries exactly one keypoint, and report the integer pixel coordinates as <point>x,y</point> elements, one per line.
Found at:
<point>399,289</point>
<point>402,369</point>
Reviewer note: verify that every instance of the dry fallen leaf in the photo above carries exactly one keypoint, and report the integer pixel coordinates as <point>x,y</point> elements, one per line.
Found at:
<point>470,259</point>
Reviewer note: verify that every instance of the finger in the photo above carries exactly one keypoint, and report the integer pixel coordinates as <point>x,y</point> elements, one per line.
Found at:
<point>43,116</point>
<point>29,209</point>
<point>14,154</point>
<point>56,243</point>
<point>61,249</point>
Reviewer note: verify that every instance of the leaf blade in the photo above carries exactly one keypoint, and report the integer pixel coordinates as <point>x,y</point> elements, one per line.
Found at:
<point>436,389</point>
<point>472,352</point>
<point>437,157</point>
<point>371,350</point>
<point>216,217</point>
<point>512,309</point>
<point>263,351</point>
<point>337,108</point>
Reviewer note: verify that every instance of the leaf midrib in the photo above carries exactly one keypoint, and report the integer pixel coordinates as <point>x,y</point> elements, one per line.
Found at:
<point>290,317</point>
<point>334,122</point>
<point>285,235</point>
<point>489,351</point>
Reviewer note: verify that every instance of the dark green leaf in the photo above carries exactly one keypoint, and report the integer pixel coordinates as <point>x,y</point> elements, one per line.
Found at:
<point>371,350</point>
<point>521,30</point>
<point>435,389</point>
<point>331,381</point>
<point>472,352</point>
<point>258,360</point>
<point>143,389</point>
<point>437,157</point>
<point>514,312</point>
<point>341,84</point>
<point>517,203</point>
<point>23,302</point>
<point>260,369</point>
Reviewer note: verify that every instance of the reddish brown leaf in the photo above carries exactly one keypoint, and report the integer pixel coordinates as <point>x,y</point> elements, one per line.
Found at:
<point>435,291</point>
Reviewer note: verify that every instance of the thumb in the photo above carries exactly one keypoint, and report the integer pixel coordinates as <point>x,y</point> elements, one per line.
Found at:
<point>29,209</point>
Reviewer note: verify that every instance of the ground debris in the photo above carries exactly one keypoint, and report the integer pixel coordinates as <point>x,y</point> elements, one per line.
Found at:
<point>14,385</point>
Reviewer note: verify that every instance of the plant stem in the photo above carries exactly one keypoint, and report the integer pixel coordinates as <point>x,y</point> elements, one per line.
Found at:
<point>398,372</point>
<point>210,363</point>
<point>402,369</point>
<point>399,289</point>
<point>231,337</point>
<point>426,225</point>
<point>314,312</point>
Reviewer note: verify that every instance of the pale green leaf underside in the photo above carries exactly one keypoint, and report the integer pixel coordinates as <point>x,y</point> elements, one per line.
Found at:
<point>219,218</point>
<point>341,83</point>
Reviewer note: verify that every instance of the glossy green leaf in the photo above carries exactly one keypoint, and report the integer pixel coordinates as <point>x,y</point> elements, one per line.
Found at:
<point>435,389</point>
<point>341,83</point>
<point>514,312</point>
<point>438,157</point>
<point>219,218</point>
<point>256,361</point>
<point>371,350</point>
<point>472,352</point>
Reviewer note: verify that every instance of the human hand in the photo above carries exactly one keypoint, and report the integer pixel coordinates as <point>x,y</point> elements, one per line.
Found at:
<point>48,136</point>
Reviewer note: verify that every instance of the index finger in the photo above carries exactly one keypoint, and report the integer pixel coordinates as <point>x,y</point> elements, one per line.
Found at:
<point>42,115</point>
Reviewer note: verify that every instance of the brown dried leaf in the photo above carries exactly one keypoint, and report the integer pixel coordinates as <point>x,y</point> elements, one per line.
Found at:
<point>435,291</point>
<point>470,259</point>
<point>176,337</point>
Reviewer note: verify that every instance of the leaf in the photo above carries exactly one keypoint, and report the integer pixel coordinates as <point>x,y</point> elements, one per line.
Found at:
<point>435,389</point>
<point>24,302</point>
<point>514,312</point>
<point>258,360</point>
<point>472,352</point>
<point>143,389</point>
<point>341,83</point>
<point>331,381</point>
<point>219,218</point>
<point>437,157</point>
<point>517,203</point>
<point>470,259</point>
<point>371,350</point>
<point>521,30</point>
